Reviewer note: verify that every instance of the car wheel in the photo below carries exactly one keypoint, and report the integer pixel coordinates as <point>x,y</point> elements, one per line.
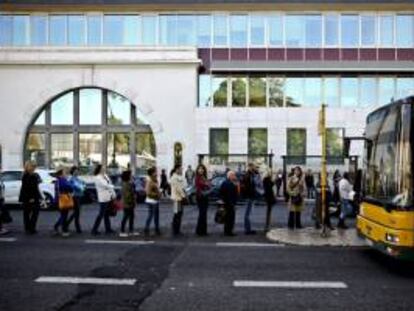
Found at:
<point>48,202</point>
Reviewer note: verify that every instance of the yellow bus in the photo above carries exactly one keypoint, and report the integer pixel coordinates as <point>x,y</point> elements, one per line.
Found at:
<point>386,218</point>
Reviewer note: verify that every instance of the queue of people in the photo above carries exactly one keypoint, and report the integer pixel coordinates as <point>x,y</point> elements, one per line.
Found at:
<point>70,189</point>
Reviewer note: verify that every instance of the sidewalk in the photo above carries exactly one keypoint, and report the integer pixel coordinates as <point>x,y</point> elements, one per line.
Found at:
<point>312,237</point>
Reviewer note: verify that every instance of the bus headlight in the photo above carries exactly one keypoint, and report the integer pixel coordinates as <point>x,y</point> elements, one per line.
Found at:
<point>389,237</point>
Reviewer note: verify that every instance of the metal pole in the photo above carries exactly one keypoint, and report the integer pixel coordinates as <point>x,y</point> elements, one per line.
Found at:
<point>323,169</point>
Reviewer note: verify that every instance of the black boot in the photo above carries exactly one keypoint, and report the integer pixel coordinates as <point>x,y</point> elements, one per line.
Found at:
<point>298,222</point>
<point>341,224</point>
<point>291,220</point>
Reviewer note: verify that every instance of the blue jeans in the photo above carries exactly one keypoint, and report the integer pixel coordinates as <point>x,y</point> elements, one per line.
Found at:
<point>103,213</point>
<point>153,212</point>
<point>346,208</point>
<point>249,207</point>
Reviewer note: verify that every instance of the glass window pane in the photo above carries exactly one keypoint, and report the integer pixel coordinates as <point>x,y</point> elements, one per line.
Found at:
<point>238,91</point>
<point>294,92</point>
<point>145,155</point>
<point>219,141</point>
<point>113,30</point>
<point>368,92</point>
<point>76,26</point>
<point>295,34</point>
<point>257,30</point>
<point>168,30</point>
<point>313,29</point>
<point>38,29</point>
<point>257,141</point>
<point>386,91</point>
<point>62,110</point>
<point>41,119</point>
<point>57,30</point>
<point>219,89</point>
<point>149,30</point>
<point>119,157</point>
<point>90,106</point>
<point>131,30</point>
<point>21,30</point>
<point>6,26</point>
<point>220,29</point>
<point>296,146</point>
<point>204,31</point>
<point>90,151</point>
<point>334,145</point>
<point>61,150</point>
<point>186,30</point>
<point>405,87</point>
<point>94,30</point>
<point>275,24</point>
<point>141,119</point>
<point>368,30</point>
<point>36,149</point>
<point>331,91</point>
<point>331,29</point>
<point>257,92</point>
<point>313,92</point>
<point>349,30</point>
<point>119,110</point>
<point>349,92</point>
<point>238,30</point>
<point>276,91</point>
<point>386,30</point>
<point>405,31</point>
<point>204,91</point>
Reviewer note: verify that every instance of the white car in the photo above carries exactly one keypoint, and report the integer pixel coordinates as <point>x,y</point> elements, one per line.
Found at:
<point>12,180</point>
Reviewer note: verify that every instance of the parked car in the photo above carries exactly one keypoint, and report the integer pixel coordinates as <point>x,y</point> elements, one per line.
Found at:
<point>12,180</point>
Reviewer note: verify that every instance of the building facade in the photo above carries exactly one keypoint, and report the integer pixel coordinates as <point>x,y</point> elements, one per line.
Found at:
<point>128,83</point>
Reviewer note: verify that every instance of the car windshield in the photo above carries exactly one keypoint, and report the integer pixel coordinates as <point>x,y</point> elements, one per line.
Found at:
<point>388,157</point>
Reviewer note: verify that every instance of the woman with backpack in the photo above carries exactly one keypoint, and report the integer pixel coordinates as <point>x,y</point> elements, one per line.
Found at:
<point>78,192</point>
<point>295,189</point>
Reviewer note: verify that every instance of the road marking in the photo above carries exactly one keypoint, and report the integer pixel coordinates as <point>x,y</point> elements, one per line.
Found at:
<point>119,242</point>
<point>79,280</point>
<point>287,284</point>
<point>8,239</point>
<point>247,244</point>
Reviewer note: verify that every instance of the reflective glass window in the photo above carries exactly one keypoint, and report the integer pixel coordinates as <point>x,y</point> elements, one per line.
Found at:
<point>386,90</point>
<point>368,30</point>
<point>168,30</point>
<point>219,90</point>
<point>204,31</point>
<point>405,31</point>
<point>294,29</point>
<point>204,91</point>
<point>238,91</point>
<point>38,30</point>
<point>257,30</point>
<point>296,146</point>
<point>349,92</point>
<point>90,151</point>
<point>61,150</point>
<point>219,141</point>
<point>6,30</point>
<point>220,29</point>
<point>294,92</point>
<point>405,87</point>
<point>386,24</point>
<point>186,30</point>
<point>90,106</point>
<point>113,30</point>
<point>349,30</point>
<point>331,29</point>
<point>119,157</point>
<point>276,91</point>
<point>149,30</point>
<point>62,110</point>
<point>76,33</point>
<point>275,26</point>
<point>257,92</point>
<point>35,149</point>
<point>238,30</point>
<point>313,30</point>
<point>132,24</point>
<point>21,29</point>
<point>335,145</point>
<point>94,30</point>
<point>57,30</point>
<point>331,91</point>
<point>41,119</point>
<point>119,110</point>
<point>313,92</point>
<point>257,141</point>
<point>145,152</point>
<point>368,91</point>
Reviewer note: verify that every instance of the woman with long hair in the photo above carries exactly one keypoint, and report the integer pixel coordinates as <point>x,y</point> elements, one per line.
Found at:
<point>62,186</point>
<point>153,198</point>
<point>295,189</point>
<point>177,195</point>
<point>202,191</point>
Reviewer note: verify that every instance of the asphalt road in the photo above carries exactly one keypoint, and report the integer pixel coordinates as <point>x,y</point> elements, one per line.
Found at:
<point>192,273</point>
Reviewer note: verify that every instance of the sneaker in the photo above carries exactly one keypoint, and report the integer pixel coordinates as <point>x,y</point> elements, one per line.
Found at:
<point>123,235</point>
<point>65,234</point>
<point>4,231</point>
<point>134,233</point>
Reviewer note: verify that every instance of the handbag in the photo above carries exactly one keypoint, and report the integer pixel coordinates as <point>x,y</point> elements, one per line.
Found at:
<point>115,206</point>
<point>296,199</point>
<point>66,201</point>
<point>220,215</point>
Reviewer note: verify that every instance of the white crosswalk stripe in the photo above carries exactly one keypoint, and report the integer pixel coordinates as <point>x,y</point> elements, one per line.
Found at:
<point>290,284</point>
<point>86,280</point>
<point>9,240</point>
<point>119,242</point>
<point>247,244</point>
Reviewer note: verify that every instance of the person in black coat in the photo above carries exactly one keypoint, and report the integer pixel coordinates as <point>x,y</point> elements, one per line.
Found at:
<point>31,197</point>
<point>229,194</point>
<point>270,198</point>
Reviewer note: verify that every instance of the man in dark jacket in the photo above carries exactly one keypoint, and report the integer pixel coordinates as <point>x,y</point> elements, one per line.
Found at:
<point>250,186</point>
<point>229,194</point>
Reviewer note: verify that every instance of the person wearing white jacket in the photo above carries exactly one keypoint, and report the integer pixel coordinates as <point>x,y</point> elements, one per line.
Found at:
<point>177,195</point>
<point>345,190</point>
<point>106,193</point>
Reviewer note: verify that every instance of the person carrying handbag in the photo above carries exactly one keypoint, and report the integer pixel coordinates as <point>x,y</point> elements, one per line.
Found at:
<point>65,201</point>
<point>295,189</point>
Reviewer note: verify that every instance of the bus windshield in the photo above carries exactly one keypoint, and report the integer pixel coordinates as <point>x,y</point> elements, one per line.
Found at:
<point>388,157</point>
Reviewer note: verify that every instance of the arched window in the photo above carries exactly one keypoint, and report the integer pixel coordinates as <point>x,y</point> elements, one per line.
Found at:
<point>87,126</point>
